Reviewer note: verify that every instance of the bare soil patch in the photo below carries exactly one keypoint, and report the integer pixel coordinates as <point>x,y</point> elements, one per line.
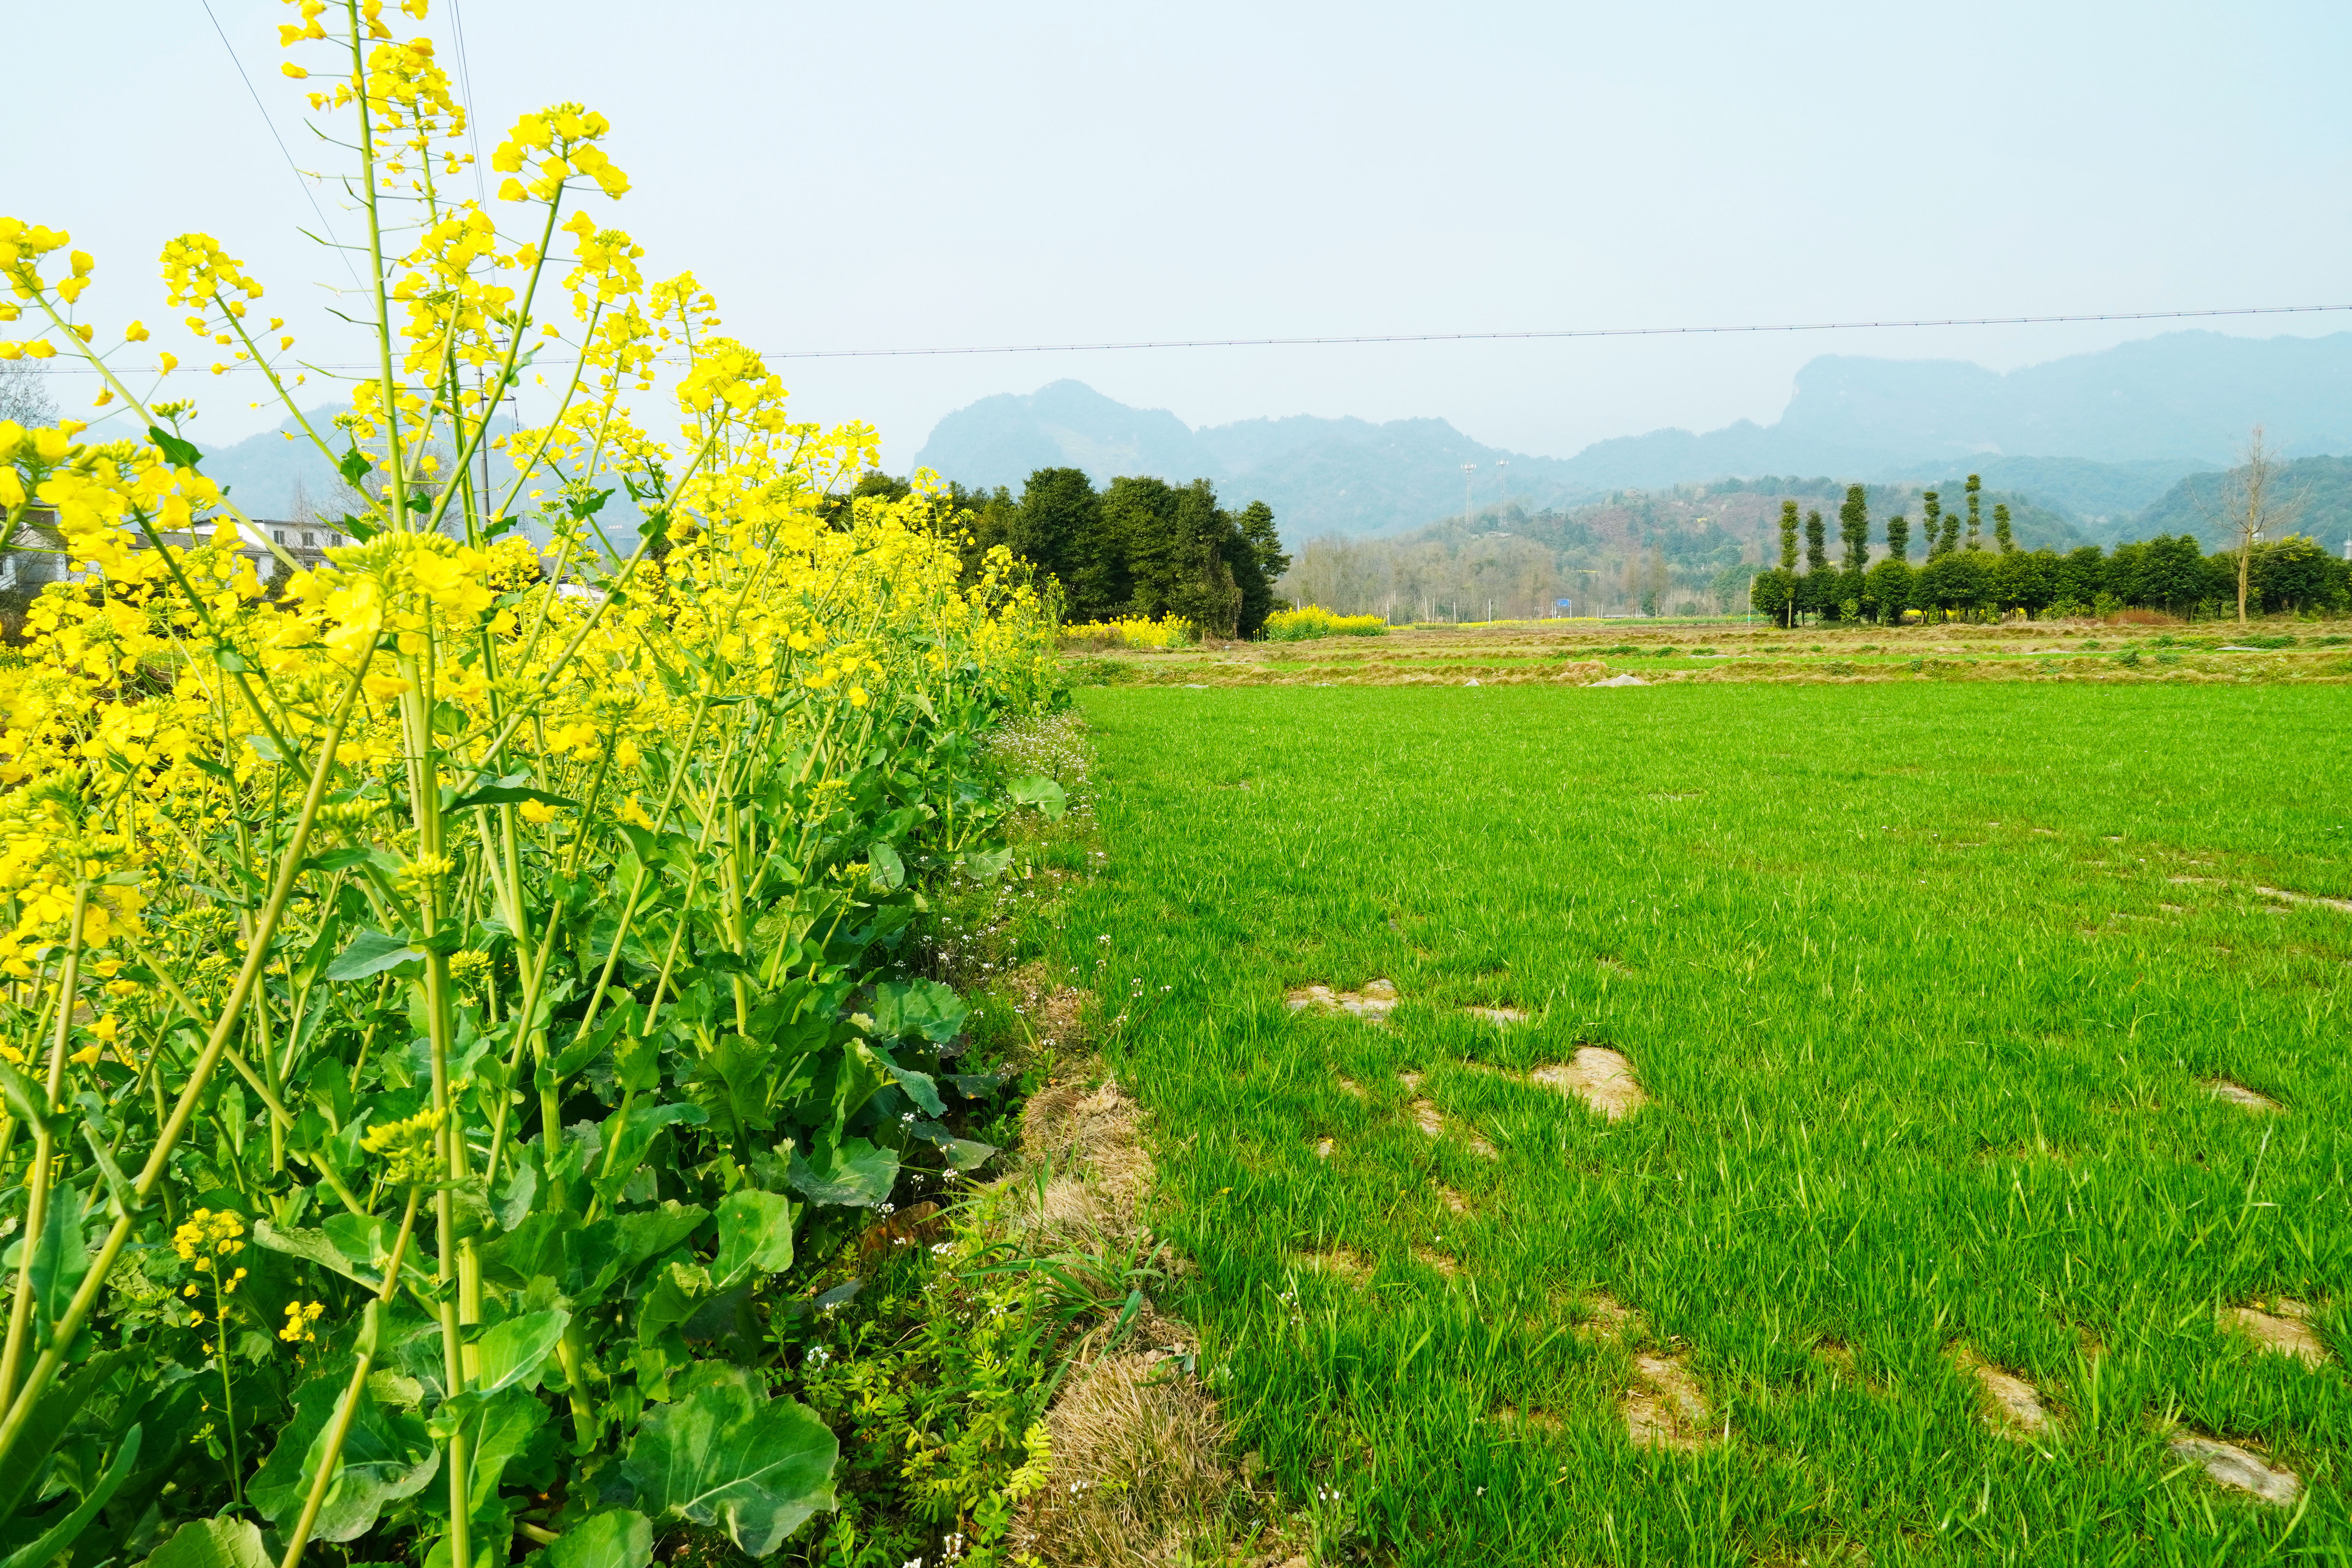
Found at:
<point>2343,905</point>
<point>2238,1094</point>
<point>2287,1331</point>
<point>2239,1469</point>
<point>2014,1406</point>
<point>1341,1262</point>
<point>916,1223</point>
<point>1138,1460</point>
<point>1669,1409</point>
<point>1054,1014</point>
<point>1600,1077</point>
<point>1376,1001</point>
<point>1092,1138</point>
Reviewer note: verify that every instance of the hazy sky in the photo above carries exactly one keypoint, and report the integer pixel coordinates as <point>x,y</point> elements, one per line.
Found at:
<point>918,174</point>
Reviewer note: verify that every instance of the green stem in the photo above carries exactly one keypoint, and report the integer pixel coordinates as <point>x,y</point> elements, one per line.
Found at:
<point>168,1136</point>
<point>331,1461</point>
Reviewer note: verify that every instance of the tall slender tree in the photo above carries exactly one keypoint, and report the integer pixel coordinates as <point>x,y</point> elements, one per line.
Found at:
<point>1788,536</point>
<point>1821,584</point>
<point>1931,512</point>
<point>1853,527</point>
<point>1976,518</point>
<point>1898,537</point>
<point>2002,535</point>
<point>1258,565</point>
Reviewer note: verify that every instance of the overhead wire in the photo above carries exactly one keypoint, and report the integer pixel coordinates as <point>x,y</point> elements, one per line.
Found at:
<point>1564,332</point>
<point>283,150</point>
<point>1553,332</point>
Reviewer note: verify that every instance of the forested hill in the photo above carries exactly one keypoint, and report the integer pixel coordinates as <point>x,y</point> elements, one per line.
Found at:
<point>1321,476</point>
<point>2313,497</point>
<point>2099,435</point>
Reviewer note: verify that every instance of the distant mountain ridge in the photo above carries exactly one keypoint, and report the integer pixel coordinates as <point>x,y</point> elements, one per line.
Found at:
<point>2099,435</point>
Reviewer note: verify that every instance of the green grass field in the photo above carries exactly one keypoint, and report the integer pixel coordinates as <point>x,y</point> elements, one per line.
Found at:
<point>1926,984</point>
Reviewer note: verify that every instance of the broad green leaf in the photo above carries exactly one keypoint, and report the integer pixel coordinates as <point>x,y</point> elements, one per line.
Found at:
<point>212,1543</point>
<point>26,1101</point>
<point>63,1533</point>
<point>59,1260</point>
<point>987,865</point>
<point>678,1292</point>
<point>636,1135</point>
<point>855,1175</point>
<point>58,1407</point>
<point>905,1009</point>
<point>962,1153</point>
<point>885,870</point>
<point>354,465</point>
<point>623,1538</point>
<point>386,1457</point>
<point>515,1349</point>
<point>919,1088</point>
<point>723,1457</point>
<point>1043,793</point>
<point>510,791</point>
<point>755,1233</point>
<point>371,952</point>
<point>317,1247</point>
<point>179,453</point>
<point>363,1239</point>
<point>514,1426</point>
<point>735,1080</point>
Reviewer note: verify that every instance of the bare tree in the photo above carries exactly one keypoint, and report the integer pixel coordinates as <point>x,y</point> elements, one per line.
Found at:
<point>25,395</point>
<point>2254,501</point>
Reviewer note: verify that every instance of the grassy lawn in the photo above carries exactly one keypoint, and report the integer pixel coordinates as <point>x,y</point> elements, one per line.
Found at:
<point>1927,986</point>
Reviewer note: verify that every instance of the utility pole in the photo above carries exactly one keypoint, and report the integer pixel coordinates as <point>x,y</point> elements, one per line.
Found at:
<point>1502,472</point>
<point>1469,477</point>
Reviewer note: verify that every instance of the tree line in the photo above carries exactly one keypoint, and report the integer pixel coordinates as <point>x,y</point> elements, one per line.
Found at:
<point>1963,576</point>
<point>1136,547</point>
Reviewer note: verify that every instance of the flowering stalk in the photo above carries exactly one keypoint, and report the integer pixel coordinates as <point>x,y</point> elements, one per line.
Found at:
<point>45,1371</point>
<point>371,1332</point>
<point>37,1202</point>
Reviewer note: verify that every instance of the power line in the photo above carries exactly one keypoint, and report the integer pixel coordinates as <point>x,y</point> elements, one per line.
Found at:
<point>1461,337</point>
<point>264,109</point>
<point>473,106</point>
<point>1560,332</point>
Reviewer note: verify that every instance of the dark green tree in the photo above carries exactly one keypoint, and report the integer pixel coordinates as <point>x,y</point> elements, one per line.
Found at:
<point>1888,590</point>
<point>1774,593</point>
<point>1976,516</point>
<point>2002,535</point>
<point>1931,512</point>
<point>1058,518</point>
<point>1257,566</point>
<point>2083,575</point>
<point>1898,537</point>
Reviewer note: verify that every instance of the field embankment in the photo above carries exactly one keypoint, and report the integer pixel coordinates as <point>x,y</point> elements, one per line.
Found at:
<point>1584,652</point>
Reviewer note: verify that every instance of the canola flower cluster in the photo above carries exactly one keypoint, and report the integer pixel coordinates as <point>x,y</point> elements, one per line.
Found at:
<point>1314,621</point>
<point>1135,631</point>
<point>324,889</point>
